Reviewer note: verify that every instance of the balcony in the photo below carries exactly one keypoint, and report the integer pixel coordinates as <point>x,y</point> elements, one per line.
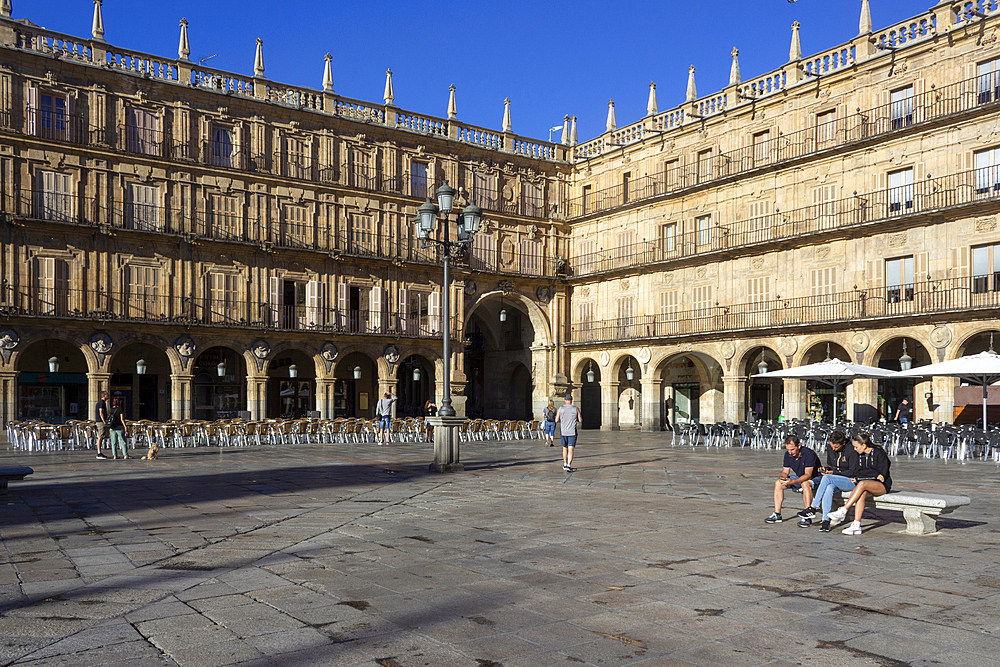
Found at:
<point>151,307</point>
<point>962,189</point>
<point>977,93</point>
<point>955,295</point>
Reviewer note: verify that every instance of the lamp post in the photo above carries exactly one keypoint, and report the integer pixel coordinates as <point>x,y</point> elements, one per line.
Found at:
<point>445,433</point>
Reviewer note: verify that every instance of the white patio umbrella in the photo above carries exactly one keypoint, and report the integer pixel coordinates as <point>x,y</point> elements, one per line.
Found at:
<point>981,369</point>
<point>832,372</point>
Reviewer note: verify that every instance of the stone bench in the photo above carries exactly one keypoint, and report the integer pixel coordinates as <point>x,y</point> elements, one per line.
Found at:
<point>8,474</point>
<point>920,510</point>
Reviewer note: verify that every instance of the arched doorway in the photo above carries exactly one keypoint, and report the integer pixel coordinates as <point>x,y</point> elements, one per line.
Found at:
<point>590,394</point>
<point>894,355</point>
<point>140,374</point>
<point>682,395</point>
<point>220,384</point>
<point>819,397</point>
<point>765,396</point>
<point>52,382</point>
<point>629,394</point>
<point>499,335</point>
<point>414,385</point>
<point>291,385</point>
<point>355,389</point>
<point>967,402</point>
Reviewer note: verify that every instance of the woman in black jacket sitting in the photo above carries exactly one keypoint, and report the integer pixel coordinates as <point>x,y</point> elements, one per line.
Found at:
<point>873,480</point>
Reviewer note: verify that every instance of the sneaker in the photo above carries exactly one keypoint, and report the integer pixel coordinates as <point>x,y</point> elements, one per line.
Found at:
<point>838,515</point>
<point>853,529</point>
<point>774,518</point>
<point>102,457</point>
<point>569,469</point>
<point>808,513</point>
<point>825,526</point>
<point>805,523</point>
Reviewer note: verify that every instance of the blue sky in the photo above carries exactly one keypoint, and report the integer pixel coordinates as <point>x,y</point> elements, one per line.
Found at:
<point>549,58</point>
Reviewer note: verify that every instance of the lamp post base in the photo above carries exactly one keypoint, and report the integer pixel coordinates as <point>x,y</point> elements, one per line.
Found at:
<point>446,444</point>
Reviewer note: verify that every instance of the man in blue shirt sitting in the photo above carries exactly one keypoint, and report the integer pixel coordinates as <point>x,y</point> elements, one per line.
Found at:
<point>800,471</point>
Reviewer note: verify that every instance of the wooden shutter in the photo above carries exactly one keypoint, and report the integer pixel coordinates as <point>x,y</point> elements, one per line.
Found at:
<point>920,267</point>
<point>960,261</point>
<point>342,304</point>
<point>434,310</point>
<point>314,303</point>
<point>32,111</point>
<point>275,300</point>
<point>375,319</point>
<point>875,272</point>
<point>404,311</point>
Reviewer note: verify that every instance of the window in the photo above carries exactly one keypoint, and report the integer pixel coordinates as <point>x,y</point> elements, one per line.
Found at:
<point>899,279</point>
<point>758,213</point>
<point>705,165</point>
<point>297,154</point>
<point>624,246</point>
<point>901,191</point>
<point>701,301</point>
<point>588,191</point>
<point>668,304</point>
<point>224,303</point>
<point>51,286</point>
<point>49,115</point>
<point>758,289</point>
<point>362,234</point>
<point>826,129</point>
<point>626,314</point>
<point>55,196</point>
<point>901,107</point>
<point>825,205</point>
<point>668,237</point>
<point>484,190</point>
<point>144,299</point>
<point>296,226</point>
<point>671,174</point>
<point>141,132</point>
<point>704,226</point>
<point>420,312</point>
<point>144,207</point>
<point>987,170</point>
<point>418,179</point>
<point>358,307</point>
<point>585,258</point>
<point>362,172</point>
<point>823,282</point>
<point>532,201</point>
<point>531,257</point>
<point>224,217</point>
<point>484,251</point>
<point>986,269</point>
<point>762,147</point>
<point>222,150</point>
<point>585,320</point>
<point>989,81</point>
<point>296,304</point>
<point>626,180</point>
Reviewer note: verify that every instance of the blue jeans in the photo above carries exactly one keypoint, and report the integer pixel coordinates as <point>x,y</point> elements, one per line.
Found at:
<point>550,428</point>
<point>829,485</point>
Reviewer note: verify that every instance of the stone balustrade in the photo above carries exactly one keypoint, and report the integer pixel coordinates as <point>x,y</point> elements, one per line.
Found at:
<point>142,64</point>
<point>34,38</point>
<point>830,61</point>
<point>906,33</point>
<point>762,86</point>
<point>302,98</point>
<point>423,124</point>
<point>712,105</point>
<point>481,137</point>
<point>667,120</point>
<point>223,82</point>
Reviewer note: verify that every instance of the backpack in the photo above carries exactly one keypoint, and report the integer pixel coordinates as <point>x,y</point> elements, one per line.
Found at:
<point>549,415</point>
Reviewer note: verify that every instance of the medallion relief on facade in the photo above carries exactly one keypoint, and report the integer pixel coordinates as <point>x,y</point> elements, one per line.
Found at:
<point>940,337</point>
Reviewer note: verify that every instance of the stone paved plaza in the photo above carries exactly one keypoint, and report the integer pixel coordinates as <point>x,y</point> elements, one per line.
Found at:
<point>648,555</point>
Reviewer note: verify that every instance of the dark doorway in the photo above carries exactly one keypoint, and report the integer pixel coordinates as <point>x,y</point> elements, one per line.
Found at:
<point>520,394</point>
<point>148,397</point>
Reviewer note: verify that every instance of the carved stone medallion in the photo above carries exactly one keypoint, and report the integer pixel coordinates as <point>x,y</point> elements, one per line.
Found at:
<point>788,346</point>
<point>727,350</point>
<point>860,342</point>
<point>604,358</point>
<point>644,355</point>
<point>940,337</point>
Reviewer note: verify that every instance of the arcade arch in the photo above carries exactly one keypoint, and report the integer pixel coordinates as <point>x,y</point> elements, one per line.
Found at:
<point>52,381</point>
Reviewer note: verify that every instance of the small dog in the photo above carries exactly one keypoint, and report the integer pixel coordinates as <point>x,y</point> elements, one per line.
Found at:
<point>153,453</point>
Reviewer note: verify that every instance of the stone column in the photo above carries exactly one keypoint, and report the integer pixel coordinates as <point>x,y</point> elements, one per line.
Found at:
<point>257,396</point>
<point>944,399</point>
<point>865,399</point>
<point>609,405</point>
<point>96,383</point>
<point>712,406</point>
<point>324,397</point>
<point>8,397</point>
<point>735,390</point>
<point>652,404</point>
<point>181,396</point>
<point>795,398</point>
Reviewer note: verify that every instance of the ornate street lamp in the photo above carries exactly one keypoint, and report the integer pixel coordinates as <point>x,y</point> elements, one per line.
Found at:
<point>293,371</point>
<point>446,447</point>
<point>629,373</point>
<point>140,366</point>
<point>762,366</point>
<point>357,372</point>
<point>416,373</point>
<point>468,225</point>
<point>503,311</point>
<point>590,372</point>
<point>221,368</point>
<point>53,364</point>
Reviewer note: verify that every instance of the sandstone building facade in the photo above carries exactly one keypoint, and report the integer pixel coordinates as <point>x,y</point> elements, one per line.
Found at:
<point>209,245</point>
